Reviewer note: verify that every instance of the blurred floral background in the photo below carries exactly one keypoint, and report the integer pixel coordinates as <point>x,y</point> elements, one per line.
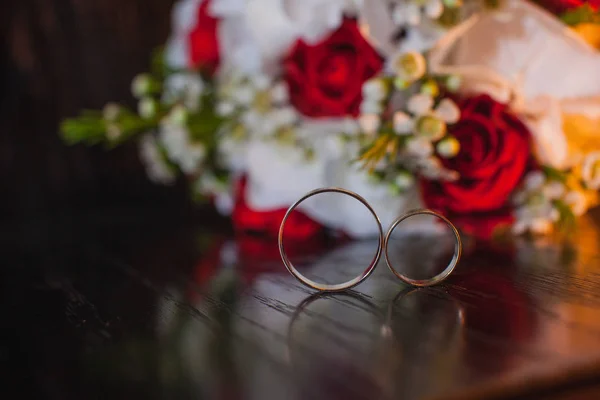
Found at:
<point>246,105</point>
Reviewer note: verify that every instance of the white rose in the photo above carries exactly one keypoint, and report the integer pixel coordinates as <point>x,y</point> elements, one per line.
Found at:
<point>280,175</point>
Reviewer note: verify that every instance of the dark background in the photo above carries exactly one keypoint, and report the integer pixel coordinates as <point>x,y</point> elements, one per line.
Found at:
<point>56,58</point>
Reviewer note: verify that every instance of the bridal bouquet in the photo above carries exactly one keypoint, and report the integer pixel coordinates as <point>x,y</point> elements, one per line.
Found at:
<point>485,110</point>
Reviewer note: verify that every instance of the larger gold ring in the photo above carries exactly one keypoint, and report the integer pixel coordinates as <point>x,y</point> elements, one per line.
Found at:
<point>321,286</point>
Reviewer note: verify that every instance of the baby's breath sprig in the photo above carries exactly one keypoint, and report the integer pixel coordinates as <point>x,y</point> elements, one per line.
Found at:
<point>404,118</point>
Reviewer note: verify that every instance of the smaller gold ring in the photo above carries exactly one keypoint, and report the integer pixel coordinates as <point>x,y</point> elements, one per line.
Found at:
<point>442,275</point>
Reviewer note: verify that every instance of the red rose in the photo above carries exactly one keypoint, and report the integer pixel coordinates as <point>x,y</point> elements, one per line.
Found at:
<point>203,41</point>
<point>325,79</point>
<point>297,227</point>
<point>561,6</point>
<point>494,155</point>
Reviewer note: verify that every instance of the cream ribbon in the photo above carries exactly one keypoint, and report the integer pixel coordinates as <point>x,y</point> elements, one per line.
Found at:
<point>526,57</point>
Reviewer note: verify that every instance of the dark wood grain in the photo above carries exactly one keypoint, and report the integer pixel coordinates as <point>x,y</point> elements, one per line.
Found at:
<point>58,57</point>
<point>133,307</point>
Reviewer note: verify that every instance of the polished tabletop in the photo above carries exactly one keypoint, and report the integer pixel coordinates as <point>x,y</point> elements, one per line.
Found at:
<point>134,305</point>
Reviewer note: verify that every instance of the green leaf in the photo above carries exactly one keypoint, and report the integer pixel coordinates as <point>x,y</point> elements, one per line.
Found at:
<point>158,66</point>
<point>554,174</point>
<point>89,128</point>
<point>567,221</point>
<point>580,15</point>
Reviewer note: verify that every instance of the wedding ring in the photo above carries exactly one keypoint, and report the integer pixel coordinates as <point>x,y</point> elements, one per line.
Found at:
<point>321,286</point>
<point>442,275</point>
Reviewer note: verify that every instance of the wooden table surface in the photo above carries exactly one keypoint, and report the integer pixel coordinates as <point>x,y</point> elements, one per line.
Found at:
<point>134,305</point>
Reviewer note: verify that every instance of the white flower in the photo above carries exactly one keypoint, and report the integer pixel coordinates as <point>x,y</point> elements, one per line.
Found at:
<point>243,95</point>
<point>194,155</point>
<point>232,154</point>
<point>406,13</point>
<point>374,90</point>
<point>156,167</point>
<point>404,180</point>
<point>420,104</point>
<point>369,123</point>
<point>434,9</point>
<point>453,83</point>
<point>409,12</point>
<point>111,112</point>
<point>280,93</point>
<point>260,81</point>
<point>261,125</point>
<point>178,115</point>
<point>419,147</point>
<point>180,149</point>
<point>431,168</point>
<point>147,107</point>
<point>370,107</point>
<point>591,170</point>
<point>279,175</point>
<point>141,85</point>
<point>284,116</point>
<point>184,86</point>
<point>403,123</point>
<point>577,202</point>
<point>113,132</point>
<point>314,19</point>
<point>174,138</point>
<point>225,108</point>
<point>534,180</point>
<point>536,216</point>
<point>448,111</point>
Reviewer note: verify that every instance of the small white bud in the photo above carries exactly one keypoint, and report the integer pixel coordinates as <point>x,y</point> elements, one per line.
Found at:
<point>111,112</point>
<point>412,14</point>
<point>403,123</point>
<point>434,9</point>
<point>113,132</point>
<point>534,180</point>
<point>224,108</point>
<point>243,95</point>
<point>370,107</point>
<point>448,111</point>
<point>448,147</point>
<point>261,81</point>
<point>369,123</point>
<point>419,104</point>
<point>141,85</point>
<point>453,83</point>
<point>374,90</point>
<point>404,180</point>
<point>419,147</point>
<point>147,107</point>
<point>178,115</point>
<point>280,93</point>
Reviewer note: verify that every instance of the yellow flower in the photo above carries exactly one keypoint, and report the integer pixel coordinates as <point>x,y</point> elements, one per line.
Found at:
<point>590,33</point>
